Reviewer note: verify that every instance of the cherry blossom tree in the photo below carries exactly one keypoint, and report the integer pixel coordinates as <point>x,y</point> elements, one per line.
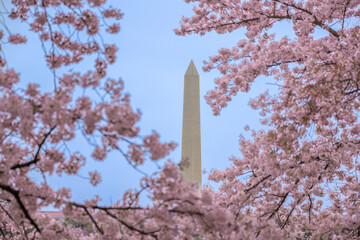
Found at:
<point>298,178</point>
<point>37,127</point>
<point>303,173</point>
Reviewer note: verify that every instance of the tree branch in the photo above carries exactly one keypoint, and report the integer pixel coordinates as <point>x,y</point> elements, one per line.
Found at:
<point>257,184</point>
<point>16,195</point>
<point>279,206</point>
<point>316,21</point>
<point>36,157</point>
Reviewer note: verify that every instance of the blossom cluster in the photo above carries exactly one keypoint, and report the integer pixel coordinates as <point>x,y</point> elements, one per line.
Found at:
<point>302,173</point>
<point>37,128</point>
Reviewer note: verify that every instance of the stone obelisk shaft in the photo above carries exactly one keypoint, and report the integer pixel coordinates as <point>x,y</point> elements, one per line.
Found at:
<point>191,139</point>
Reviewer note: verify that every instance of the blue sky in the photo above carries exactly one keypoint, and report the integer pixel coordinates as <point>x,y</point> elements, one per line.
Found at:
<point>152,61</point>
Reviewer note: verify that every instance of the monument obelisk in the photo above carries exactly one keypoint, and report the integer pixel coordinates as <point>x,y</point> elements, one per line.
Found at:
<point>191,139</point>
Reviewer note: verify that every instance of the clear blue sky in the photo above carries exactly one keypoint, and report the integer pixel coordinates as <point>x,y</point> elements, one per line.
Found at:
<point>152,61</point>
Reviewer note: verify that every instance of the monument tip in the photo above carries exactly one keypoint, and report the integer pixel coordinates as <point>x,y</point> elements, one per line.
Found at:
<point>191,70</point>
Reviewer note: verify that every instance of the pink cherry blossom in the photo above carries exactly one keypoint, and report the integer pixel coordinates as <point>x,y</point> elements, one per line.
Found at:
<point>110,51</point>
<point>95,178</point>
<point>96,3</point>
<point>112,13</point>
<point>156,148</point>
<point>115,28</point>
<point>136,154</point>
<point>283,174</point>
<point>17,39</point>
<point>299,177</point>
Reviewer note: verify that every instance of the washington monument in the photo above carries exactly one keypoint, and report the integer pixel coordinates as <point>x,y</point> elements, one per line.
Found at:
<point>191,139</point>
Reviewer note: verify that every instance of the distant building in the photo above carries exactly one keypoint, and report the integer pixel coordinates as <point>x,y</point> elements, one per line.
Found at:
<point>53,214</point>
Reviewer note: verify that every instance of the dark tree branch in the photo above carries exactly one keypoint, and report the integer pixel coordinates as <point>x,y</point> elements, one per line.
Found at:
<point>93,220</point>
<point>279,205</point>
<point>16,195</point>
<point>36,157</point>
<point>310,207</point>
<point>107,211</point>
<point>316,21</point>
<point>289,215</point>
<point>130,227</point>
<point>257,184</point>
